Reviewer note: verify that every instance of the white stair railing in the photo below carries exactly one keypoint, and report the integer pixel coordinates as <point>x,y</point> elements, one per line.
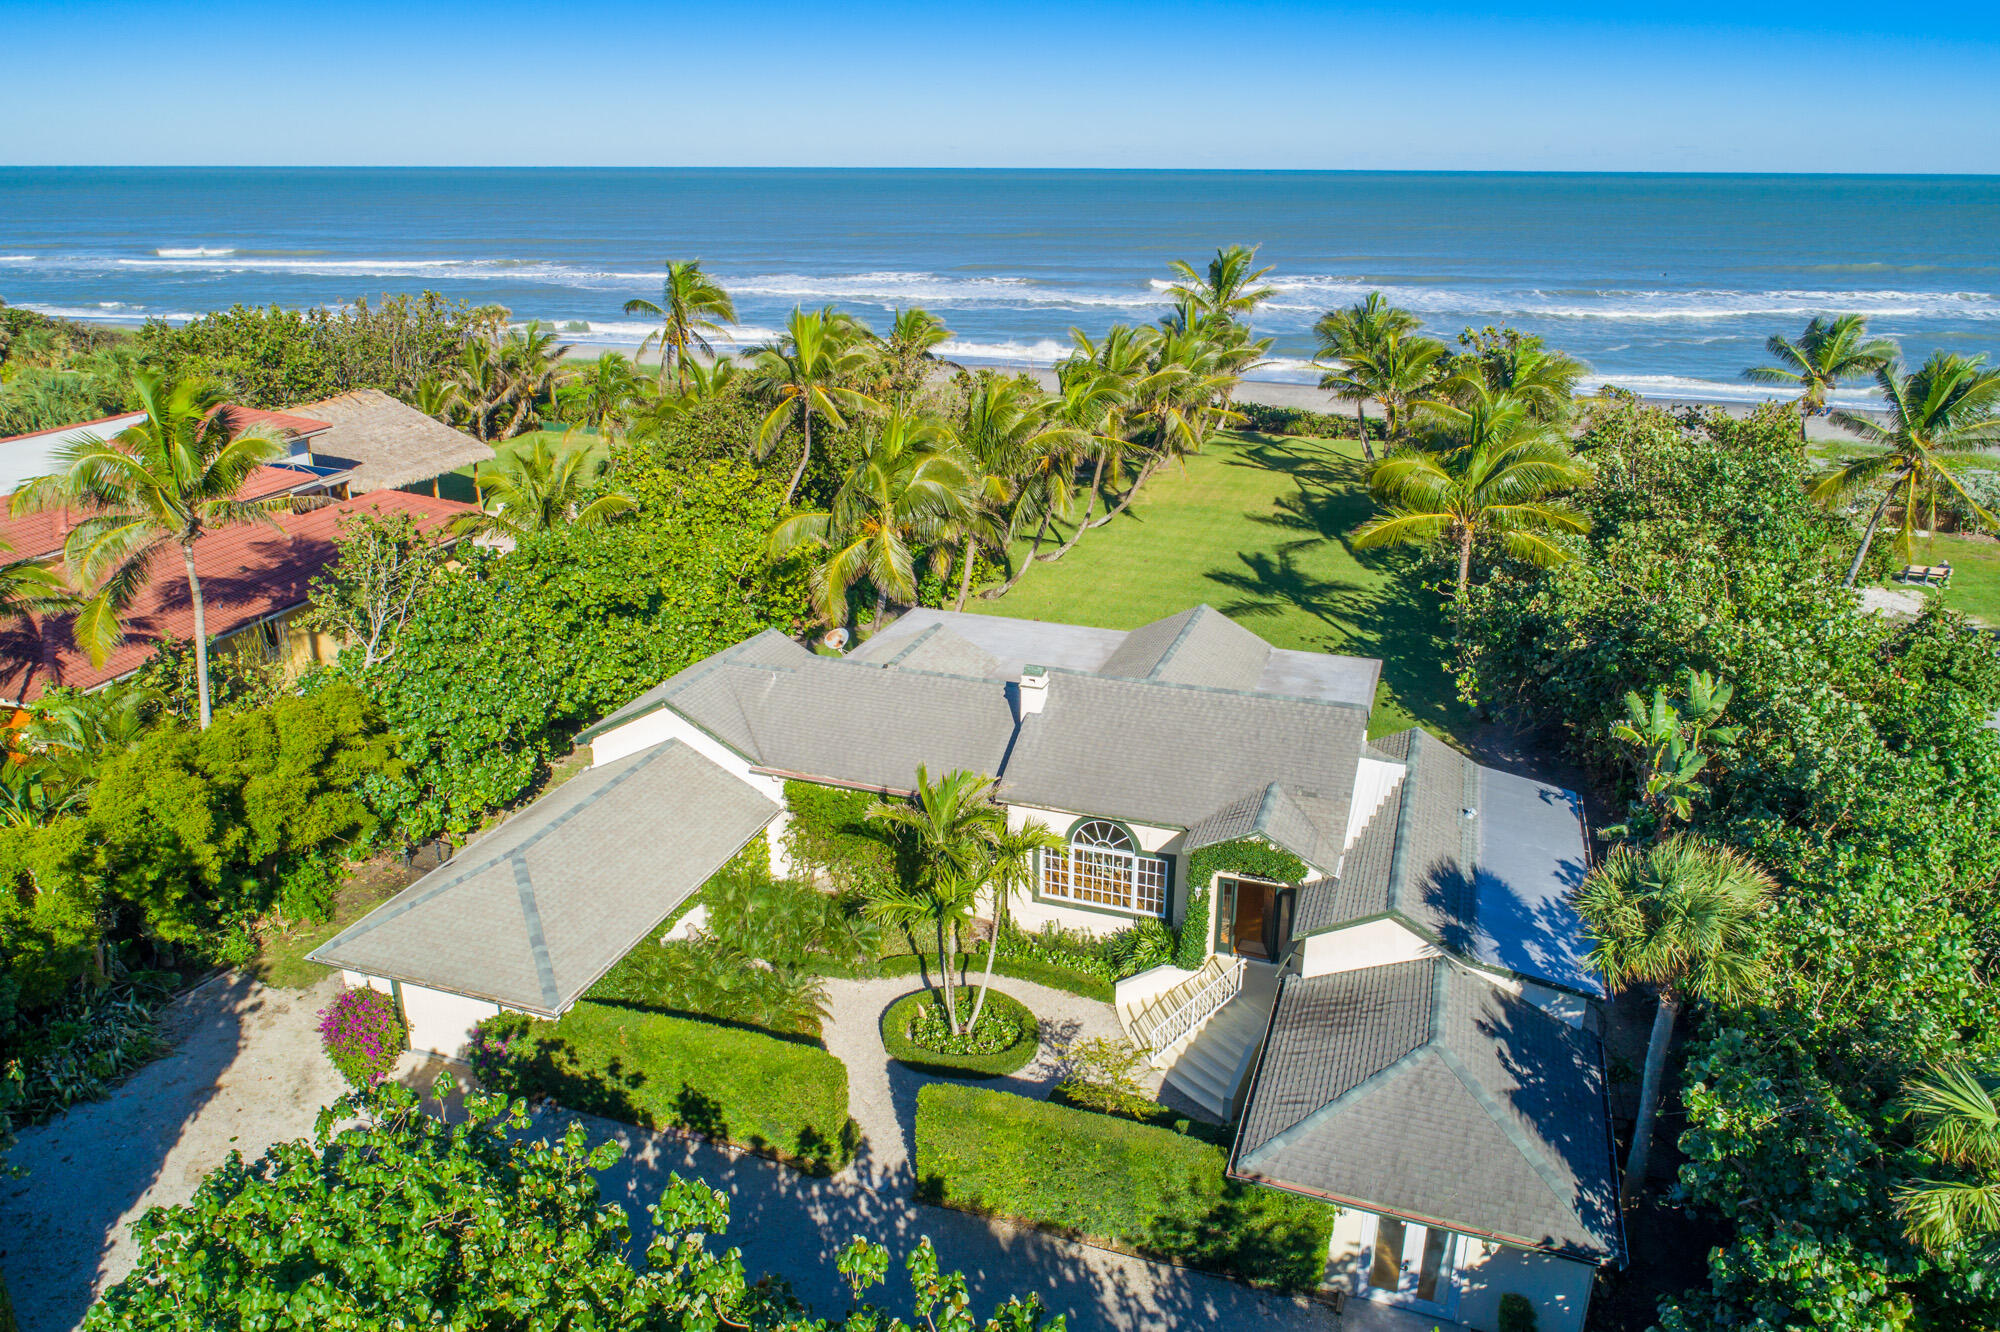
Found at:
<point>1163,1023</point>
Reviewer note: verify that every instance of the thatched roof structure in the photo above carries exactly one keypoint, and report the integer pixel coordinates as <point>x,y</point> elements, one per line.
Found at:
<point>389,443</point>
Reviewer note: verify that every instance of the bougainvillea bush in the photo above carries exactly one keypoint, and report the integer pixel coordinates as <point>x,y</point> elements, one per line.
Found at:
<point>363,1035</point>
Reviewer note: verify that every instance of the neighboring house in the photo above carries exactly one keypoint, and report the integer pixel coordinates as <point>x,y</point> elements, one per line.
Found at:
<point>380,443</point>
<point>35,453</point>
<point>254,581</point>
<point>1395,1005</point>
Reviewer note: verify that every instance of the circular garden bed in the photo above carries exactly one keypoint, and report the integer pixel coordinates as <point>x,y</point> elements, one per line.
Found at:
<point>916,1034</point>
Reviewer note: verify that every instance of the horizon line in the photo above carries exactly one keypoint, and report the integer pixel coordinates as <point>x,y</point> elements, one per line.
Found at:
<point>975,170</point>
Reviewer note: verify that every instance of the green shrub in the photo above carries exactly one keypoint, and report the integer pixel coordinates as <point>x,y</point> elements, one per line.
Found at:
<point>1119,1184</point>
<point>780,1098</point>
<point>75,1050</point>
<point>829,834</point>
<point>1073,950</point>
<point>973,965</point>
<point>1139,947</point>
<point>914,1032</point>
<point>1191,948</point>
<point>1516,1313</point>
<point>1268,420</point>
<point>363,1035</point>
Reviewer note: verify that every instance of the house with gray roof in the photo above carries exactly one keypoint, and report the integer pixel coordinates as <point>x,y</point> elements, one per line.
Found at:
<point>1394,1008</point>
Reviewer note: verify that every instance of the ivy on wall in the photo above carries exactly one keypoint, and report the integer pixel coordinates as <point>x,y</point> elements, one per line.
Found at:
<point>1250,856</point>
<point>1191,947</point>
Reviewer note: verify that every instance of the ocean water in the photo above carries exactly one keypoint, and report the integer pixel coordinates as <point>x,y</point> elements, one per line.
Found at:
<point>1667,284</point>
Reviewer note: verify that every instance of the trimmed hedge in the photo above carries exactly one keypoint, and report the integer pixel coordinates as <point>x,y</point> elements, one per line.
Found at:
<point>1115,1183</point>
<point>896,1020</point>
<point>784,1099</point>
<point>971,966</point>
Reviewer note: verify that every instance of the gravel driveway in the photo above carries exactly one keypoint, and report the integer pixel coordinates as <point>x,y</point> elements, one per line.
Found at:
<point>247,1073</point>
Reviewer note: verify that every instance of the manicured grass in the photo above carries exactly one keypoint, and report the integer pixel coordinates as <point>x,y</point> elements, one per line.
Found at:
<point>1257,528</point>
<point>1975,573</point>
<point>779,1098</point>
<point>895,1038</point>
<point>1113,1182</point>
<point>971,966</point>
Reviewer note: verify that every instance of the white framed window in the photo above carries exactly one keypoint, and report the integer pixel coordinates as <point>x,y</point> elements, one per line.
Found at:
<point>1103,867</point>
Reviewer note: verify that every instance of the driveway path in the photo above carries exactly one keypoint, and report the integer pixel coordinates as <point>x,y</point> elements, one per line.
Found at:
<point>247,1072</point>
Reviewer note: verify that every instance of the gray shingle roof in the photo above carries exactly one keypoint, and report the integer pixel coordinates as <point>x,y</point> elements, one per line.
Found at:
<point>389,442</point>
<point>939,649</point>
<point>1201,646</point>
<point>1424,1091</point>
<point>1175,754</point>
<point>1274,815</point>
<point>532,913</point>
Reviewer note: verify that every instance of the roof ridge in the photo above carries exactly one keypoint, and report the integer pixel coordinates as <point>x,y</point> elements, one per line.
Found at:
<point>1180,637</point>
<point>917,640</point>
<point>1149,682</point>
<point>385,913</point>
<point>1399,854</point>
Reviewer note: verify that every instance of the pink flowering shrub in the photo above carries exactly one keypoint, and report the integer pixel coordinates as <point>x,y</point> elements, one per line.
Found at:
<point>362,1035</point>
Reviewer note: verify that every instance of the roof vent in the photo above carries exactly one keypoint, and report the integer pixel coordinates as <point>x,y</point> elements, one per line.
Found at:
<point>1034,689</point>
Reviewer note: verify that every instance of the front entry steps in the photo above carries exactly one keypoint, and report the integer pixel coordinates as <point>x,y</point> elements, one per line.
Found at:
<point>1210,1069</point>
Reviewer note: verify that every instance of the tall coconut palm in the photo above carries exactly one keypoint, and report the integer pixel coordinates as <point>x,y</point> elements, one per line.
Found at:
<point>1956,1108</point>
<point>809,372</point>
<point>1396,371</point>
<point>1361,330</point>
<point>503,374</point>
<point>952,826</point>
<point>1495,476</point>
<point>1086,417</point>
<point>1010,869</point>
<point>1940,415</point>
<point>1683,915</point>
<point>1180,403</point>
<point>1009,434</point>
<point>1227,292</point>
<point>164,481</point>
<point>907,490</point>
<point>1505,360</point>
<point>603,394</point>
<point>908,353</point>
<point>692,305</point>
<point>1829,353</point>
<point>544,488</point>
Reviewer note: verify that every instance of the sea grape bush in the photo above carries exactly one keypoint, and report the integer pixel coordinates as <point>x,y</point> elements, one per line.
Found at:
<point>363,1035</point>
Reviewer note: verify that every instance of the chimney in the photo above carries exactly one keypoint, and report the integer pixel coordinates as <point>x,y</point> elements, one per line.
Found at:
<point>1034,689</point>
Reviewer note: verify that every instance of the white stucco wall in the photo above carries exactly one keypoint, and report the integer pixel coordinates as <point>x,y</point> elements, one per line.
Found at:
<point>440,1023</point>
<point>1374,780</point>
<point>1374,943</point>
<point>1030,914</point>
<point>1557,1287</point>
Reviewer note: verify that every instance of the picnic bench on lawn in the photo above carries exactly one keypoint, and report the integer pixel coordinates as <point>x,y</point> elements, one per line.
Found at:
<point>1930,575</point>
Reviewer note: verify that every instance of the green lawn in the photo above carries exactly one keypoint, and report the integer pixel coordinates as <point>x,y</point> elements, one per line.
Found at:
<point>1975,573</point>
<point>281,956</point>
<point>1256,528</point>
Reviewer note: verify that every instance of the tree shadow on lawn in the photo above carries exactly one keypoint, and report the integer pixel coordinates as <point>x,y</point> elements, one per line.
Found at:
<point>1400,620</point>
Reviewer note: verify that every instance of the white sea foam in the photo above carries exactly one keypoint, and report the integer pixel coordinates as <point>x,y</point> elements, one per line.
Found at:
<point>112,311</point>
<point>17,258</point>
<point>1308,294</point>
<point>194,252</point>
<point>1712,390</point>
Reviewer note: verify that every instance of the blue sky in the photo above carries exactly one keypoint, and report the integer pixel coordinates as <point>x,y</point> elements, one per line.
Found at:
<point>1548,85</point>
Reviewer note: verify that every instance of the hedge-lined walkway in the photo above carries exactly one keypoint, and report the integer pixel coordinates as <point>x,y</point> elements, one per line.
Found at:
<point>882,1094</point>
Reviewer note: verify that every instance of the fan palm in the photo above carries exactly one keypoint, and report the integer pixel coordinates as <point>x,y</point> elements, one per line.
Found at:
<point>544,488</point>
<point>1496,478</point>
<point>692,305</point>
<point>808,372</point>
<point>1362,329</point>
<point>1940,414</point>
<point>1010,868</point>
<point>166,480</point>
<point>1957,1111</point>
<point>1683,915</point>
<point>907,490</point>
<point>1828,353</point>
<point>1228,290</point>
<point>952,826</point>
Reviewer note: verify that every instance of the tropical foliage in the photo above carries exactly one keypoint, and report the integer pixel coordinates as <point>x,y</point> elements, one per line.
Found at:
<point>1830,352</point>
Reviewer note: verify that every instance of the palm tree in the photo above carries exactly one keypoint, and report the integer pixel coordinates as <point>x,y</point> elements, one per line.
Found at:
<point>807,372</point>
<point>1496,479</point>
<point>603,394</point>
<point>503,374</point>
<point>1683,915</point>
<point>1957,1110</point>
<point>691,304</point>
<point>907,490</point>
<point>1010,868</point>
<point>1396,371</point>
<point>1010,441</point>
<point>28,587</point>
<point>952,826</point>
<point>74,732</point>
<point>544,488</point>
<point>1829,352</point>
<point>1228,290</point>
<point>908,353</point>
<point>1506,360</point>
<point>163,481</point>
<point>1939,414</point>
<point>1359,331</point>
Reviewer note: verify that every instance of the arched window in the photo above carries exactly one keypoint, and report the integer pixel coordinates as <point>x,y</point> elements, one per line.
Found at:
<point>1103,867</point>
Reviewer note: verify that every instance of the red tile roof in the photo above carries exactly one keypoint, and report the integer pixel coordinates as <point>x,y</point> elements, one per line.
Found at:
<point>284,423</point>
<point>247,572</point>
<point>40,535</point>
